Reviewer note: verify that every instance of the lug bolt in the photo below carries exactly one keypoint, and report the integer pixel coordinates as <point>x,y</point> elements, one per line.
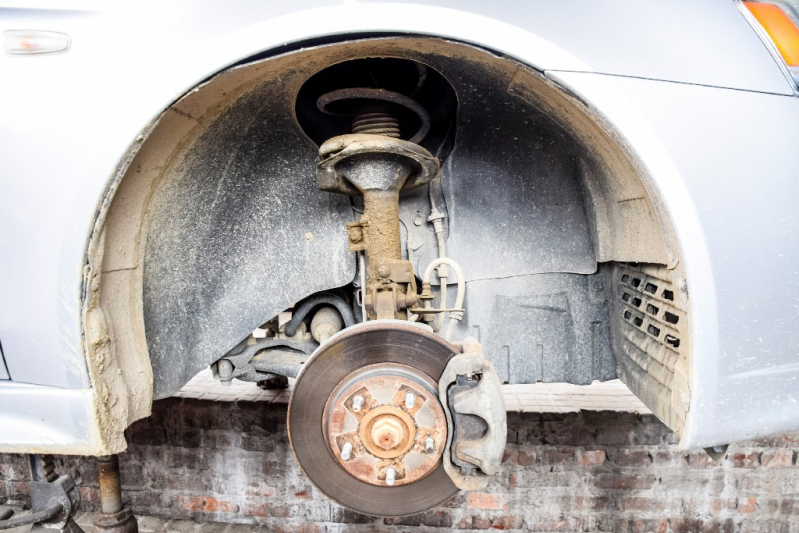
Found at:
<point>346,451</point>
<point>357,403</point>
<point>390,476</point>
<point>410,400</point>
<point>429,445</point>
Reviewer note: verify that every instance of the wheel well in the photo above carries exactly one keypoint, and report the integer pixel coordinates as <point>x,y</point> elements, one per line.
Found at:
<point>627,223</point>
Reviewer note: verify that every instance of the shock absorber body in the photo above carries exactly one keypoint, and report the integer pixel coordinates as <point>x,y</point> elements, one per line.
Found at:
<point>374,163</point>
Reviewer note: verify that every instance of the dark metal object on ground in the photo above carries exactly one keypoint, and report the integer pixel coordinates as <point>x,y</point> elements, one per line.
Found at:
<point>113,516</point>
<point>54,500</point>
<point>6,522</point>
<point>274,383</point>
<point>369,343</point>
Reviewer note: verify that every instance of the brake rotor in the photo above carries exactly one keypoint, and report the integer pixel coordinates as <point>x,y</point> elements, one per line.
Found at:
<point>373,386</point>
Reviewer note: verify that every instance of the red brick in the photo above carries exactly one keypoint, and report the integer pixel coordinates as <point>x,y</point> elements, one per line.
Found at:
<point>256,488</point>
<point>701,460</point>
<point>524,458</point>
<point>744,460</point>
<point>777,458</point>
<point>642,505</point>
<point>633,458</point>
<point>624,481</point>
<point>474,522</point>
<point>509,456</point>
<point>484,500</point>
<point>748,505</point>
<point>206,504</point>
<point>670,458</point>
<point>719,504</point>
<point>256,508</point>
<point>298,528</point>
<point>505,522</point>
<point>590,503</point>
<point>591,457</point>
<point>557,456</point>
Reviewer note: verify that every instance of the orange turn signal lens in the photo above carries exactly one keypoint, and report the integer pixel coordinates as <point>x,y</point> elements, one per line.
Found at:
<point>781,29</point>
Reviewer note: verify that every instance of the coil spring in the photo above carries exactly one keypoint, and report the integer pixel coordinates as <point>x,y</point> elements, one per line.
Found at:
<point>376,121</point>
<point>375,116</point>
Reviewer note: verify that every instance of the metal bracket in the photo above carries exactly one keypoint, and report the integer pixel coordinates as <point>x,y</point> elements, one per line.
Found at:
<point>62,491</point>
<point>470,388</point>
<point>259,361</point>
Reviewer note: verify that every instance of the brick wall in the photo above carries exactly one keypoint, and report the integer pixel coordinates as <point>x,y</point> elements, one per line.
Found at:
<point>593,471</point>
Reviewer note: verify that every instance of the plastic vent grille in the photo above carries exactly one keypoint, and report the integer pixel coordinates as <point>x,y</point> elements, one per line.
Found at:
<point>648,306</point>
<point>651,340</point>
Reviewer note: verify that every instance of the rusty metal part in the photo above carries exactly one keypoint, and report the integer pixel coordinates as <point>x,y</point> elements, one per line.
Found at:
<point>371,95</point>
<point>378,168</point>
<point>388,432</point>
<point>54,499</point>
<point>113,516</point>
<point>376,121</point>
<point>379,418</point>
<point>110,487</point>
<point>470,461</point>
<point>350,351</point>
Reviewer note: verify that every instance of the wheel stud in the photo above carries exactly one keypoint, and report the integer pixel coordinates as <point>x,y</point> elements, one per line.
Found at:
<point>346,451</point>
<point>410,400</point>
<point>357,404</point>
<point>390,476</point>
<point>429,445</point>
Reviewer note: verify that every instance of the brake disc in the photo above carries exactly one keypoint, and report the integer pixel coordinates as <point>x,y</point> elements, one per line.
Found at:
<point>382,362</point>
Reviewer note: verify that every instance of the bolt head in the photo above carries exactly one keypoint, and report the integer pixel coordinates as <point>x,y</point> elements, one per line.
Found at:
<point>355,234</point>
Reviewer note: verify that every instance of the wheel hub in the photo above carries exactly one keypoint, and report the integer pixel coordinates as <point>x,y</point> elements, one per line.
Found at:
<point>385,426</point>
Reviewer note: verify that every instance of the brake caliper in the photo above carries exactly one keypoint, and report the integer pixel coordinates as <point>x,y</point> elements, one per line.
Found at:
<point>472,392</point>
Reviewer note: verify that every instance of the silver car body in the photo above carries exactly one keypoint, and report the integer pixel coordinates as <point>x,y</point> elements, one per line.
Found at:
<point>690,87</point>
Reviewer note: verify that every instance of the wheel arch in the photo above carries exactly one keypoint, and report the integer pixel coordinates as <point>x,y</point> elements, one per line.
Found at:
<point>112,320</point>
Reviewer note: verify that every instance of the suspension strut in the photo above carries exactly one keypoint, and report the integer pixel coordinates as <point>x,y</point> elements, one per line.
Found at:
<point>375,163</point>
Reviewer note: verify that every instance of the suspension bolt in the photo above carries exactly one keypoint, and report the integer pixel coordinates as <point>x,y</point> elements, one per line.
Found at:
<point>429,445</point>
<point>346,451</point>
<point>357,404</point>
<point>410,400</point>
<point>390,476</point>
<point>383,271</point>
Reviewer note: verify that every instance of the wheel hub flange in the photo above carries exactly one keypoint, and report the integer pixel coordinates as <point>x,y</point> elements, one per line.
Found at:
<point>385,426</point>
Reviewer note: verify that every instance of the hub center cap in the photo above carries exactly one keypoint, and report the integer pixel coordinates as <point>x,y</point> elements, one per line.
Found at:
<point>385,426</point>
<point>387,432</point>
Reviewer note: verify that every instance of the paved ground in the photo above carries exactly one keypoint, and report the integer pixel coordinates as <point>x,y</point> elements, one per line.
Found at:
<point>537,398</point>
<point>149,524</point>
